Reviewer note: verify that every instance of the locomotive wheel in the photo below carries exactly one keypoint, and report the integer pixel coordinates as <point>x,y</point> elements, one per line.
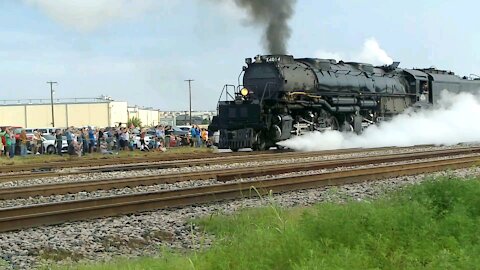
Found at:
<point>334,123</point>
<point>346,127</point>
<point>260,144</point>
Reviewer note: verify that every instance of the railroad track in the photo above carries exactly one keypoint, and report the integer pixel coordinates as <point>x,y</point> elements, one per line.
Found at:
<point>105,161</point>
<point>204,161</point>
<point>56,213</point>
<point>219,174</point>
<point>165,157</point>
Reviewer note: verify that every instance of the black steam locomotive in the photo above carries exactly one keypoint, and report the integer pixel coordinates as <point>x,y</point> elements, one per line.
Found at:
<point>282,96</point>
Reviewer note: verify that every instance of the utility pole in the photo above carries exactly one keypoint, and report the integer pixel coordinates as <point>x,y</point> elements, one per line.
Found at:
<point>51,100</point>
<point>190,95</point>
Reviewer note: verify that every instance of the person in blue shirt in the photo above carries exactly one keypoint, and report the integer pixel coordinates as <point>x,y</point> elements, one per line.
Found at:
<point>197,136</point>
<point>68,134</point>
<point>193,135</point>
<point>91,139</point>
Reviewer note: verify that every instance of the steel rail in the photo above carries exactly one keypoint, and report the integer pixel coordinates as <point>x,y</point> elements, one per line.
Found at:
<point>219,174</point>
<point>190,163</point>
<point>110,160</point>
<point>57,213</point>
<point>125,163</point>
<point>174,164</point>
<point>151,165</point>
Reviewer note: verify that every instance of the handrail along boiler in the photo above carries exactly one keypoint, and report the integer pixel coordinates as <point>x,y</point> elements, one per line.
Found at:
<point>283,96</point>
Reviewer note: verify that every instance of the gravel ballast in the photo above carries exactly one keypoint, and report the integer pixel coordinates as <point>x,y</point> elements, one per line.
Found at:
<point>149,172</point>
<point>143,234</point>
<point>180,185</point>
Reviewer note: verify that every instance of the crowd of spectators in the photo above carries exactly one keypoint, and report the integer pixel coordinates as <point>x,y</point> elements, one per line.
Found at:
<point>87,140</point>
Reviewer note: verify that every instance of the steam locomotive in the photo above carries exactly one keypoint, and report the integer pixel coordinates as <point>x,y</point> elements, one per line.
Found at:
<point>282,96</point>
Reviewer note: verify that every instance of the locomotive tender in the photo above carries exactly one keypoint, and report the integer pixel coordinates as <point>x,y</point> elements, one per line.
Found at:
<point>283,96</point>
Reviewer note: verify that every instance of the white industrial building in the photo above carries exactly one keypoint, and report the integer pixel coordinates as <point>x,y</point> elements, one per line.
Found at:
<point>78,112</point>
<point>98,112</point>
<point>148,116</point>
<point>175,118</point>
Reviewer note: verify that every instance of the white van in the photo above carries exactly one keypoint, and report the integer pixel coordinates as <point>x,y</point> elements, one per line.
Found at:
<point>47,130</point>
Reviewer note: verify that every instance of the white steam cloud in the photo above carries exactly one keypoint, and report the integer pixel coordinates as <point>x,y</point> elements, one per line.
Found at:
<point>450,122</point>
<point>87,15</point>
<point>371,53</point>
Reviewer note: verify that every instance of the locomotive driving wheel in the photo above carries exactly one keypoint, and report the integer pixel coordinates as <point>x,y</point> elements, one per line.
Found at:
<point>260,142</point>
<point>333,123</point>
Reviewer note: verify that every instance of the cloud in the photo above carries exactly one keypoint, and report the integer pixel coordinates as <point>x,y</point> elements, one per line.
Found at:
<point>88,15</point>
<point>371,53</point>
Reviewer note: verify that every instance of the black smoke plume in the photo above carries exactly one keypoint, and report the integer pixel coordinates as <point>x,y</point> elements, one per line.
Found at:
<point>274,16</point>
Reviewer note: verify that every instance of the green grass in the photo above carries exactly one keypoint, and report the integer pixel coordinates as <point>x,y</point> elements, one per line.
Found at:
<point>3,264</point>
<point>435,225</point>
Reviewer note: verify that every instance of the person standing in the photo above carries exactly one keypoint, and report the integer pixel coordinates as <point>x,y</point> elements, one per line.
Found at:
<point>143,146</point>
<point>58,141</point>
<point>197,136</point>
<point>168,133</point>
<point>33,143</point>
<point>8,142</point>
<point>91,139</point>
<point>2,142</point>
<point>23,143</point>
<point>126,137</point>
<point>84,141</point>
<point>157,131</point>
<point>76,143</point>
<point>78,137</point>
<point>100,138</point>
<point>193,135</point>
<point>162,135</point>
<point>117,137</point>
<point>131,140</point>
<point>37,142</point>
<point>204,137</point>
<point>13,141</point>
<point>68,134</point>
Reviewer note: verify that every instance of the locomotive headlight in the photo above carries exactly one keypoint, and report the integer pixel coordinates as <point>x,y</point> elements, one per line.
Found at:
<point>244,91</point>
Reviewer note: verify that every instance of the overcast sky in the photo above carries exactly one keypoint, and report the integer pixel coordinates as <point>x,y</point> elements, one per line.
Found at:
<point>142,51</point>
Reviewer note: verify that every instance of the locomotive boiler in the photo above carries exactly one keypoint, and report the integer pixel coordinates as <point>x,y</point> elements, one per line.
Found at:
<point>282,96</point>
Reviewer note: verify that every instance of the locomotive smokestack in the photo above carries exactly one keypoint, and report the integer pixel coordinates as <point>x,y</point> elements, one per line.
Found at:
<point>274,16</point>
